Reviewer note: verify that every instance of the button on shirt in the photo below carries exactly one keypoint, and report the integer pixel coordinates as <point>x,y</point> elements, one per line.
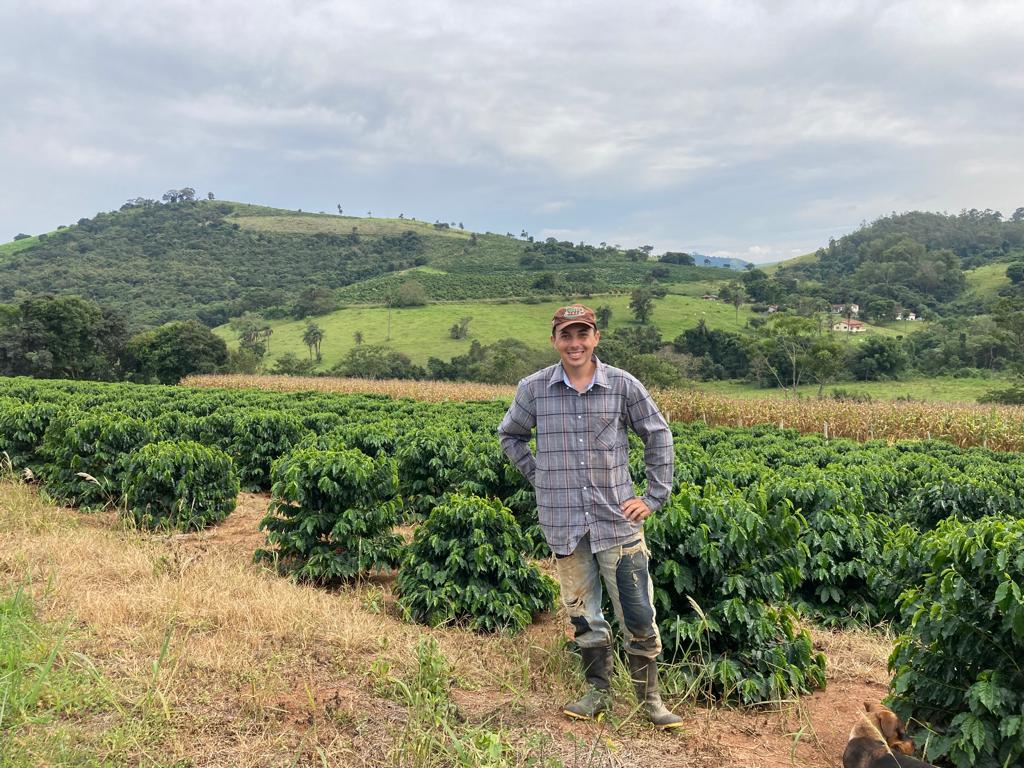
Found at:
<point>581,469</point>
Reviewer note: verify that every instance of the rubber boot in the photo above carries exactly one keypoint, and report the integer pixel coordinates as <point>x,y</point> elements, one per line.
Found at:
<point>644,674</point>
<point>597,669</point>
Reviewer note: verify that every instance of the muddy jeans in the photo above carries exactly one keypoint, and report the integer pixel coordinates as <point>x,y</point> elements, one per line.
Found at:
<point>625,574</point>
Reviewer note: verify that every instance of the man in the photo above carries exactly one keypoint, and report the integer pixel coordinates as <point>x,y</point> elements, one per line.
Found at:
<point>590,516</point>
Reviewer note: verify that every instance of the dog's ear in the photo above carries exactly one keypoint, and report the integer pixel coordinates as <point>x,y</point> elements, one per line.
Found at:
<point>870,706</point>
<point>906,746</point>
<point>889,725</point>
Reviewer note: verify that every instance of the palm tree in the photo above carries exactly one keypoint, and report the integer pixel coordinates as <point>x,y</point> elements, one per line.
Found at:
<point>312,337</point>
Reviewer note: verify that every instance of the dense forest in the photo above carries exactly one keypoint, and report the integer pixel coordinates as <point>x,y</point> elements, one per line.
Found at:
<point>913,260</point>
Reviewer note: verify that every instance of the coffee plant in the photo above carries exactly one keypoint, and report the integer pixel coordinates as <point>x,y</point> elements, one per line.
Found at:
<point>724,564</point>
<point>85,454</point>
<point>429,466</point>
<point>331,515</point>
<point>959,668</point>
<point>22,426</point>
<point>898,566</point>
<point>179,485</point>
<point>258,438</point>
<point>842,540</point>
<point>466,566</point>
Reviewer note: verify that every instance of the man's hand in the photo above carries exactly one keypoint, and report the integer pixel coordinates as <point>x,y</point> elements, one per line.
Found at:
<point>635,510</point>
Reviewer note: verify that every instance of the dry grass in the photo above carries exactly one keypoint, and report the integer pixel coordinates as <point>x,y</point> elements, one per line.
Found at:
<point>432,391</point>
<point>854,654</point>
<point>259,671</point>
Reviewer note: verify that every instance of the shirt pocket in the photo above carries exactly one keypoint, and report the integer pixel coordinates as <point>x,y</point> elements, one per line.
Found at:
<point>609,433</point>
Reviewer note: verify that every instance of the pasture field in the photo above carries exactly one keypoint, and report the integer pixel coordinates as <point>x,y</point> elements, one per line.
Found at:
<point>6,249</point>
<point>304,222</point>
<point>422,332</point>
<point>984,282</point>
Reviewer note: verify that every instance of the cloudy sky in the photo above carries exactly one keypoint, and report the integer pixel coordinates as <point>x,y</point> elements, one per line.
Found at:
<point>754,129</point>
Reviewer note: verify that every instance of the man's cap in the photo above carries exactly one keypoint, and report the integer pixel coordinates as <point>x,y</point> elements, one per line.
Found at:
<point>574,314</point>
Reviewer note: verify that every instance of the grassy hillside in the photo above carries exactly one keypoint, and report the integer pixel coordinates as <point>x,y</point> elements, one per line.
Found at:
<point>984,282</point>
<point>17,245</point>
<point>212,260</point>
<point>422,332</point>
<point>771,269</point>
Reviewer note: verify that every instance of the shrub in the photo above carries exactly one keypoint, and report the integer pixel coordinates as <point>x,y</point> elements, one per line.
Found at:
<point>258,438</point>
<point>331,515</point>
<point>179,484</point>
<point>486,471</point>
<point>963,495</point>
<point>842,541</point>
<point>723,565</point>
<point>429,465</point>
<point>465,565</point>
<point>376,439</point>
<point>958,669</point>
<point>85,455</point>
<point>899,566</point>
<point>22,427</point>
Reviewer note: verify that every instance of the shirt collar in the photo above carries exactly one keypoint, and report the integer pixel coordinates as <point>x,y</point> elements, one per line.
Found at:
<point>559,376</point>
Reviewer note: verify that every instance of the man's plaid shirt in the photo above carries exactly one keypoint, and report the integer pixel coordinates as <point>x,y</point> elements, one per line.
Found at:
<point>581,470</point>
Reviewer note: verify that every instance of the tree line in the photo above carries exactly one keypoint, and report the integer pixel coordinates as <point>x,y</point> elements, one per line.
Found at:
<point>70,337</point>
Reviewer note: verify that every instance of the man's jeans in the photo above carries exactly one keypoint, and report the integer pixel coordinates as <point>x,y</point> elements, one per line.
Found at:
<point>626,577</point>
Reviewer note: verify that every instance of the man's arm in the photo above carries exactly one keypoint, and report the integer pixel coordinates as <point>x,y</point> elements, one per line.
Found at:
<point>659,459</point>
<point>515,431</point>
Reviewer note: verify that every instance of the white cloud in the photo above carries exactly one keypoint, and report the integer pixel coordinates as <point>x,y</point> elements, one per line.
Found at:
<point>673,124</point>
<point>554,206</point>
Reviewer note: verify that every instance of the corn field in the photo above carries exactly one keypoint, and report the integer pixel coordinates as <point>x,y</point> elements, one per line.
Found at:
<point>1000,428</point>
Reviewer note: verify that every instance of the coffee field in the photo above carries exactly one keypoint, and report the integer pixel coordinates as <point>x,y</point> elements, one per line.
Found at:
<point>767,530</point>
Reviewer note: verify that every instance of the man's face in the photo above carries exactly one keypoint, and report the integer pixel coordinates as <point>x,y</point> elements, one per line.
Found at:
<point>575,345</point>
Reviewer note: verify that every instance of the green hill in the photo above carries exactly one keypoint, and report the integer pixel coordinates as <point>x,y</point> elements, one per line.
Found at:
<point>423,332</point>
<point>984,282</point>
<point>917,260</point>
<point>212,260</point>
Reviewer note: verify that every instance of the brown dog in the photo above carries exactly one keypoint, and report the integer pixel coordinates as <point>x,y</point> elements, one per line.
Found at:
<point>879,740</point>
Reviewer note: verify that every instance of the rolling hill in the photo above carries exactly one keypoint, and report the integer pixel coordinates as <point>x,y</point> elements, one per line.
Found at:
<point>212,260</point>
<point>423,332</point>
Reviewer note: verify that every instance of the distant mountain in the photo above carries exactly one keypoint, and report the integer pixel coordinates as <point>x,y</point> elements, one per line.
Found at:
<point>720,262</point>
<point>213,260</point>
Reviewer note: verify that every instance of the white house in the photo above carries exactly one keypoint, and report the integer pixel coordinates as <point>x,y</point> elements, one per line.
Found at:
<point>906,315</point>
<point>850,326</point>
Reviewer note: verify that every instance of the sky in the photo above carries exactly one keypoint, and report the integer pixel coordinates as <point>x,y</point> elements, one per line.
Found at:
<point>748,129</point>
